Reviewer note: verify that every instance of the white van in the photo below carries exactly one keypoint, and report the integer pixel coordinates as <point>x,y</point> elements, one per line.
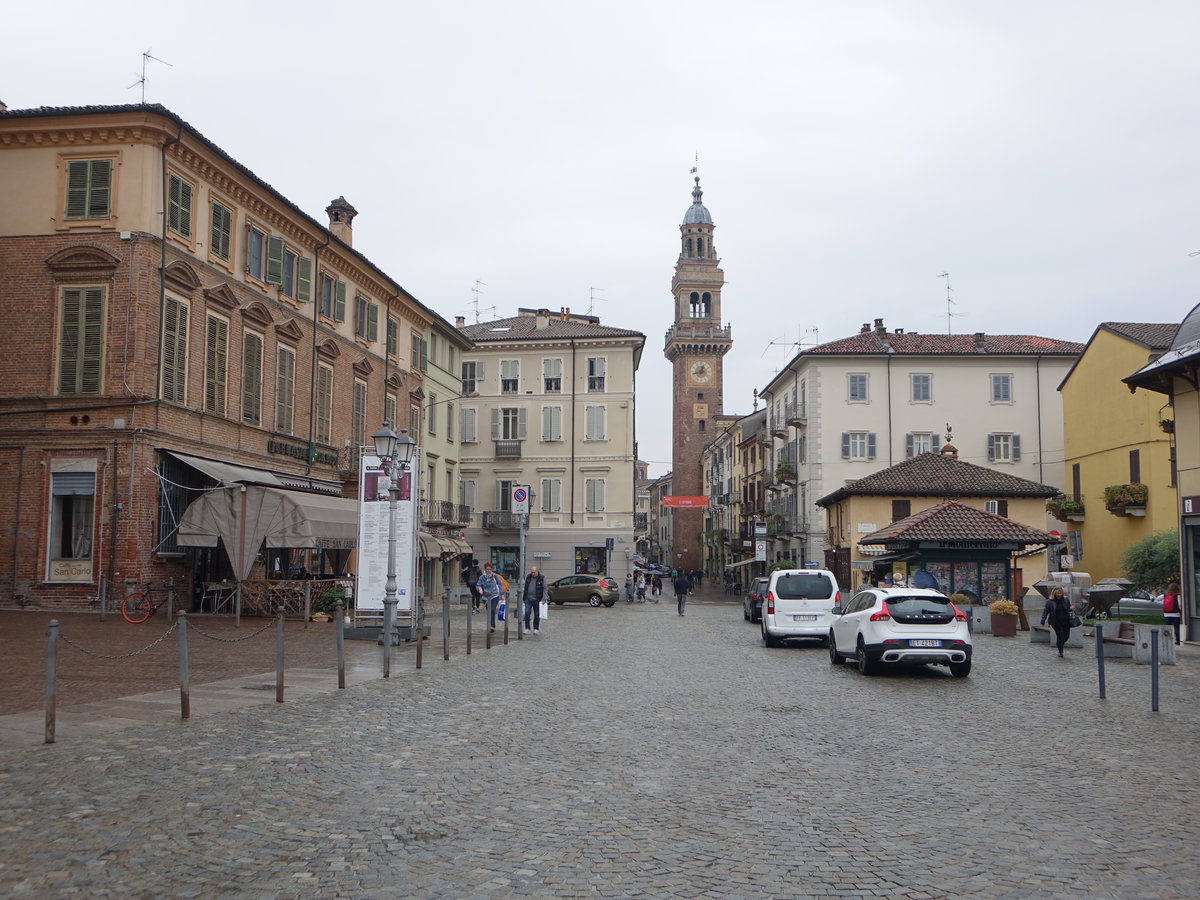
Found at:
<point>798,605</point>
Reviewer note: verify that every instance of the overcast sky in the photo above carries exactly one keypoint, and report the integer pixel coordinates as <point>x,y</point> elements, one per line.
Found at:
<point>1046,155</point>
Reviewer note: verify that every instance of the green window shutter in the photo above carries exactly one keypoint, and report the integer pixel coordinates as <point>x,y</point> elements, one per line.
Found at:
<point>424,356</point>
<point>81,341</point>
<point>373,322</point>
<point>339,309</point>
<point>216,355</point>
<point>89,188</point>
<point>392,338</point>
<point>416,353</point>
<point>252,349</point>
<point>179,206</point>
<point>274,260</point>
<point>222,227</point>
<point>174,357</point>
<point>304,280</point>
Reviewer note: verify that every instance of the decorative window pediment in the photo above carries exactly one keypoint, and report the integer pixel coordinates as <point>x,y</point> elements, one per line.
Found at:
<point>416,396</point>
<point>81,259</point>
<point>328,349</point>
<point>221,295</point>
<point>289,331</point>
<point>362,366</point>
<point>394,381</point>
<point>256,312</point>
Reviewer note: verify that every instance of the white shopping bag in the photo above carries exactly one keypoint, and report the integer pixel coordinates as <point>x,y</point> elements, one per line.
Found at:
<point>544,610</point>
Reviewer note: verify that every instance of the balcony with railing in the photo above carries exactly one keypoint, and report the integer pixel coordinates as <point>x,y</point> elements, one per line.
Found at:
<point>501,518</point>
<point>443,512</point>
<point>508,449</point>
<point>641,521</point>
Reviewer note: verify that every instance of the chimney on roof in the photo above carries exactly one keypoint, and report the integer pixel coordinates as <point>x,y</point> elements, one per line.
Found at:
<point>866,329</point>
<point>949,451</point>
<point>898,331</point>
<point>341,215</point>
<point>542,319</point>
<point>565,314</point>
<point>879,328</point>
<point>979,342</point>
<point>460,321</point>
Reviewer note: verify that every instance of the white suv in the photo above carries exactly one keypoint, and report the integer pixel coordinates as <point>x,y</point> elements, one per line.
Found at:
<point>900,625</point>
<point>798,605</point>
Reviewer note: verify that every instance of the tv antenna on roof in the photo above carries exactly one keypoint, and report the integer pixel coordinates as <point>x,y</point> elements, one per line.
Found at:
<point>592,298</point>
<point>142,80</point>
<point>475,303</point>
<point>799,343</point>
<point>949,301</point>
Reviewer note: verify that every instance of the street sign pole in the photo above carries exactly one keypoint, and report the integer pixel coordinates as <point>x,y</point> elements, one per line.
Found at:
<point>520,507</point>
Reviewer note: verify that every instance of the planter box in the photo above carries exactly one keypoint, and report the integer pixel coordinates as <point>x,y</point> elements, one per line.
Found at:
<point>1127,510</point>
<point>1004,626</point>
<point>1078,518</point>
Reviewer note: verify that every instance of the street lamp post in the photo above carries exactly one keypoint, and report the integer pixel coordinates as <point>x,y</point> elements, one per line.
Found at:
<point>395,451</point>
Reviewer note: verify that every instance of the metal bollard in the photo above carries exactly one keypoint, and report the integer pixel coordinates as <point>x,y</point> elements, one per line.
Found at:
<point>51,683</point>
<point>341,644</point>
<point>1100,655</point>
<point>507,616</point>
<point>470,611</point>
<point>446,624</point>
<point>185,689</point>
<point>307,605</point>
<point>1154,670</point>
<point>279,658</point>
<point>419,618</point>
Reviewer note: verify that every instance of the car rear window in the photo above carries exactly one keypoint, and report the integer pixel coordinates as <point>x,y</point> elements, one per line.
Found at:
<point>803,585</point>
<point>919,607</point>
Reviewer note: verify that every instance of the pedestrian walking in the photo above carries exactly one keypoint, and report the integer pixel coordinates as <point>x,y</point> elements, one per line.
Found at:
<point>639,586</point>
<point>657,589</point>
<point>471,575</point>
<point>699,578</point>
<point>682,587</point>
<point>629,588</point>
<point>1057,612</point>
<point>490,588</point>
<point>533,594</point>
<point>1172,611</point>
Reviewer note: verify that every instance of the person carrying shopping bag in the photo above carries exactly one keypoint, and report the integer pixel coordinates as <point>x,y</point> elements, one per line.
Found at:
<point>533,594</point>
<point>491,588</point>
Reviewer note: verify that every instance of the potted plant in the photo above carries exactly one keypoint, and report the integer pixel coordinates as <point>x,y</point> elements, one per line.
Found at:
<point>1065,509</point>
<point>785,472</point>
<point>1004,617</point>
<point>1126,499</point>
<point>1167,425</point>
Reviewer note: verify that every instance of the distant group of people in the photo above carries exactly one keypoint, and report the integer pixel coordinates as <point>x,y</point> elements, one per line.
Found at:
<point>487,587</point>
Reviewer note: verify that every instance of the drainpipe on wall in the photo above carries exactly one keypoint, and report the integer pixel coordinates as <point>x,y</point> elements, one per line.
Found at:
<point>312,379</point>
<point>573,400</point>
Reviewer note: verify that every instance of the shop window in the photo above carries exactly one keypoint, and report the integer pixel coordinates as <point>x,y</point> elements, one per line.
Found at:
<point>72,514</point>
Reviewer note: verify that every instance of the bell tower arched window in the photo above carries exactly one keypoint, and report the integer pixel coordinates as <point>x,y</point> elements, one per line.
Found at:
<point>706,305</point>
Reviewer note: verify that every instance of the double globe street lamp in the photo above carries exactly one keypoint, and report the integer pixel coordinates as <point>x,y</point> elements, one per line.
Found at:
<point>395,451</point>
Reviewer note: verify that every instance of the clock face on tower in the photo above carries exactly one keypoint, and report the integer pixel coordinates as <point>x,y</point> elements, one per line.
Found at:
<point>700,371</point>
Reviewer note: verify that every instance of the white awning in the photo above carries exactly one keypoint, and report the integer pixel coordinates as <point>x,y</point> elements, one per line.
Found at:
<point>744,562</point>
<point>244,517</point>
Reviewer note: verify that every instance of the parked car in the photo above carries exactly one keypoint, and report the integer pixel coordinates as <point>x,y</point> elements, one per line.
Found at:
<point>798,605</point>
<point>1135,603</point>
<point>900,625</point>
<point>753,601</point>
<point>594,589</point>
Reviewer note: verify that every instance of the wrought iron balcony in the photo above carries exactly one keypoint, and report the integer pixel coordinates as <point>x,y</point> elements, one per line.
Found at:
<point>500,518</point>
<point>508,449</point>
<point>640,521</point>
<point>443,512</point>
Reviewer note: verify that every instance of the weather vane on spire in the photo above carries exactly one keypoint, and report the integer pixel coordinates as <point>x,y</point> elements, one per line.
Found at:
<point>696,167</point>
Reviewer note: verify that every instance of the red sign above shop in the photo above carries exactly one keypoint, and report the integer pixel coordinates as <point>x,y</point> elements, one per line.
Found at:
<point>685,501</point>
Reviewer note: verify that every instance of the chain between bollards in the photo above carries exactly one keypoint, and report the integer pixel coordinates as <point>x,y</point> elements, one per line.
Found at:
<point>185,690</point>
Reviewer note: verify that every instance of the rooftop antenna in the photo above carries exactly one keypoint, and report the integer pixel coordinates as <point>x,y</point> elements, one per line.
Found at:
<point>475,303</point>
<point>799,343</point>
<point>592,298</point>
<point>949,301</point>
<point>146,56</point>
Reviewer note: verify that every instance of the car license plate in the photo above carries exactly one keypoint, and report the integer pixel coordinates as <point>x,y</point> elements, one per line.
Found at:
<point>924,643</point>
<point>804,618</point>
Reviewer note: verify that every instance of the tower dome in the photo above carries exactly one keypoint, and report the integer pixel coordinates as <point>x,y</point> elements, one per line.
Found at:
<point>697,213</point>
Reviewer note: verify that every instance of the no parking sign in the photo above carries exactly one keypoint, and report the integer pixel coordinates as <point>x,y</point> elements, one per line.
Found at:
<point>520,499</point>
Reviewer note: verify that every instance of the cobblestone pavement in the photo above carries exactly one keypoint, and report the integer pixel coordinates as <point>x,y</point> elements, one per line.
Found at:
<point>628,752</point>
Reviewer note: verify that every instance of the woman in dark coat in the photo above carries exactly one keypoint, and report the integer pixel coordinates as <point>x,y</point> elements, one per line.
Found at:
<point>1058,612</point>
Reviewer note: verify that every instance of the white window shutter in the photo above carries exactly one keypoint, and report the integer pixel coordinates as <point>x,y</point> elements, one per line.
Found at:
<point>1016,448</point>
<point>521,418</point>
<point>495,423</point>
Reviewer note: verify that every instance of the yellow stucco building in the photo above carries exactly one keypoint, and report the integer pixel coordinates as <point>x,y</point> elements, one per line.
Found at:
<point>1114,437</point>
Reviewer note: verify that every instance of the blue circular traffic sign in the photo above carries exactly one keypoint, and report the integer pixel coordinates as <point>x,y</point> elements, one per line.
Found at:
<point>520,495</point>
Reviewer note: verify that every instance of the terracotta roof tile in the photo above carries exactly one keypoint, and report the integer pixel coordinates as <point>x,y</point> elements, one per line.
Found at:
<point>948,344</point>
<point>1154,335</point>
<point>954,521</point>
<point>524,328</point>
<point>935,475</point>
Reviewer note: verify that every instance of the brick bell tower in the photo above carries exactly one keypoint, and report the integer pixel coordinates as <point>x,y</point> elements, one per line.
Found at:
<point>696,345</point>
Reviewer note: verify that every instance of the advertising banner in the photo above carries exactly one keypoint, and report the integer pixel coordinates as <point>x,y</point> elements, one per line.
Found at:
<point>373,533</point>
<point>682,502</point>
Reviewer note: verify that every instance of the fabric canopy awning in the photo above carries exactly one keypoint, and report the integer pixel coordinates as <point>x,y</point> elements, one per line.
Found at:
<point>744,562</point>
<point>231,473</point>
<point>244,517</point>
<point>430,547</point>
<point>462,547</point>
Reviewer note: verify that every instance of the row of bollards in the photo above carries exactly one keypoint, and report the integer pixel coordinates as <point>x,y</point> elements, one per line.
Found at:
<point>51,700</point>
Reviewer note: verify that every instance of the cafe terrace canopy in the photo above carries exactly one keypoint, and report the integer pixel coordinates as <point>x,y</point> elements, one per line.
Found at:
<point>244,517</point>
